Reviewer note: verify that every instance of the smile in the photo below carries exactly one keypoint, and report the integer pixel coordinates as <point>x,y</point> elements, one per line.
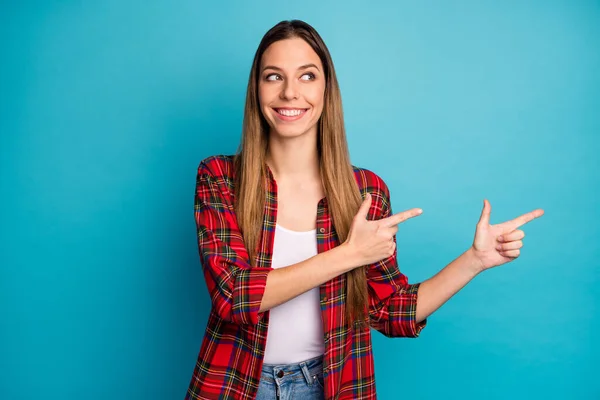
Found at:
<point>290,114</point>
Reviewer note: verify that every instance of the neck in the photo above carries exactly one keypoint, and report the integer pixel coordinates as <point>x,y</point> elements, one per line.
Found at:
<point>293,158</point>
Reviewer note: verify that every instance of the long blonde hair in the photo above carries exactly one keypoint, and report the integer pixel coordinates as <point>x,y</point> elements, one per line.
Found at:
<point>341,189</point>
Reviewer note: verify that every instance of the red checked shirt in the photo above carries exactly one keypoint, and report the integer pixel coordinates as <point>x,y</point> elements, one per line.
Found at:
<point>231,356</point>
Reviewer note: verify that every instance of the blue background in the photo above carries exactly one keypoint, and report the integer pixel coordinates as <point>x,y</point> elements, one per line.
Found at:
<point>107,108</point>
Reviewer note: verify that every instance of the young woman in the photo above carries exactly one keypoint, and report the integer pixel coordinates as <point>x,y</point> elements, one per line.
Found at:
<point>298,245</point>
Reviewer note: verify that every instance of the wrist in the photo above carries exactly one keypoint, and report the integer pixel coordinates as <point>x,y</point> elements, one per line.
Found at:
<point>473,263</point>
<point>346,257</point>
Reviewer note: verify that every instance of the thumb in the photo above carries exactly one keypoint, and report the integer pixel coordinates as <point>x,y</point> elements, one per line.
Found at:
<point>485,213</point>
<point>364,207</point>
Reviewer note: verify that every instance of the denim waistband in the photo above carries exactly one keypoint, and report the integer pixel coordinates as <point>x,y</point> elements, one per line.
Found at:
<point>283,372</point>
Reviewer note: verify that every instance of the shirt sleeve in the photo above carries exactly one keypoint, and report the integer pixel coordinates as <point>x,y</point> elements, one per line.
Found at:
<point>235,288</point>
<point>392,301</point>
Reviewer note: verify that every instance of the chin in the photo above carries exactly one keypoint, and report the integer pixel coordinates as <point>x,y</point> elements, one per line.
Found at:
<point>290,132</point>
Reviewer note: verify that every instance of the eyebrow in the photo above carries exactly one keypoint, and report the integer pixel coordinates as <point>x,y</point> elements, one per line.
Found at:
<point>305,66</point>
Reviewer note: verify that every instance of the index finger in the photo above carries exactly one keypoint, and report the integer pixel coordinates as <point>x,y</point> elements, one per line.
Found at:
<point>400,217</point>
<point>523,219</point>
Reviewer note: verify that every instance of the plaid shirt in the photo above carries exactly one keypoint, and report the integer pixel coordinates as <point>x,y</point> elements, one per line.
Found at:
<point>231,356</point>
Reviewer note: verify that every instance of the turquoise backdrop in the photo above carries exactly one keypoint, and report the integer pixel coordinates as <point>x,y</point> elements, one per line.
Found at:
<point>107,107</point>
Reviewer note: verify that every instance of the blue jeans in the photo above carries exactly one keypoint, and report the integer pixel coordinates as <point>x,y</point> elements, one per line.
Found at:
<point>302,381</point>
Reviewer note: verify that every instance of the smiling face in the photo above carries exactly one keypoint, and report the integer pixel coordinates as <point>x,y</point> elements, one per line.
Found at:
<point>291,87</point>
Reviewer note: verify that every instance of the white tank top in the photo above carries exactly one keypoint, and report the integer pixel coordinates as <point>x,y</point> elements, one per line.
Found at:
<point>295,330</point>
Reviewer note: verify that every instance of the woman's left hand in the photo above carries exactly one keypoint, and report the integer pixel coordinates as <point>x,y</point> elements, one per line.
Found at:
<point>498,244</point>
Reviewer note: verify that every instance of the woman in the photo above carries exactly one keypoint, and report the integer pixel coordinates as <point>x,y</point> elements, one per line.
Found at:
<point>298,246</point>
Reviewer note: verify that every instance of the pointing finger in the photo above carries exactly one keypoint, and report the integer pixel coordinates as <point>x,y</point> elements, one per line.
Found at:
<point>522,220</point>
<point>400,217</point>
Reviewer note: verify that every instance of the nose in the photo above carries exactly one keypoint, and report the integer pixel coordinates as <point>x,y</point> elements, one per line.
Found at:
<point>289,90</point>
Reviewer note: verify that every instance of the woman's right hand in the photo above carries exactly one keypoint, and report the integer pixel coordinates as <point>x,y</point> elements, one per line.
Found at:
<point>372,241</point>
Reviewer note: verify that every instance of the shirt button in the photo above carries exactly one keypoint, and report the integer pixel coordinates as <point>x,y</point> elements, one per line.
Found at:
<point>327,337</point>
<point>324,299</point>
<point>280,374</point>
<point>322,230</point>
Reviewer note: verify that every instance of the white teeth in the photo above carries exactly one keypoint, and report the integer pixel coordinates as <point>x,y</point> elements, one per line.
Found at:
<point>290,113</point>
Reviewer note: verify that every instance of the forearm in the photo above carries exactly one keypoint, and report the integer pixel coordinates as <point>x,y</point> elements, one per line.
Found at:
<point>434,292</point>
<point>284,284</point>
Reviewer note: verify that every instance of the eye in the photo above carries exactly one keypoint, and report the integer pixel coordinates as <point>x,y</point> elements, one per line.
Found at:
<point>310,76</point>
<point>272,77</point>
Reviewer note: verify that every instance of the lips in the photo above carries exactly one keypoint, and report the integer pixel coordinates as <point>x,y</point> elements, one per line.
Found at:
<point>290,114</point>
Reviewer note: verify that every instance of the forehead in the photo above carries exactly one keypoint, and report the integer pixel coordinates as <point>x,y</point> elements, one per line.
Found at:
<point>290,54</point>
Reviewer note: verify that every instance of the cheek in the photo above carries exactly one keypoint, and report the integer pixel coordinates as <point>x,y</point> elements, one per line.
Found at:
<point>316,98</point>
<point>264,96</point>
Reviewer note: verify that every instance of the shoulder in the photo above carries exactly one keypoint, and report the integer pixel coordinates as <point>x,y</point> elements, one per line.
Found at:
<point>217,171</point>
<point>369,182</point>
<point>217,166</point>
